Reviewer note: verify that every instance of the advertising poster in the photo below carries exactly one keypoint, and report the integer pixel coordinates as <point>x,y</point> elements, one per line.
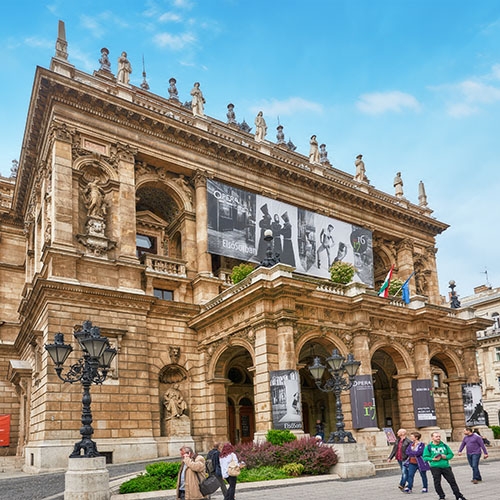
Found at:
<point>364,413</point>
<point>310,242</point>
<point>423,403</point>
<point>286,400</point>
<point>473,405</point>
<point>4,430</point>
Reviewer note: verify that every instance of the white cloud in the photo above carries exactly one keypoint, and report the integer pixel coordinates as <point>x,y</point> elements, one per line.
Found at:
<point>377,103</point>
<point>461,110</point>
<point>169,17</point>
<point>174,42</point>
<point>33,41</point>
<point>289,107</point>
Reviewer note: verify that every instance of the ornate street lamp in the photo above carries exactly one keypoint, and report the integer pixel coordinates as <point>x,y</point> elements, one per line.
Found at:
<point>92,368</point>
<point>270,259</point>
<point>336,365</point>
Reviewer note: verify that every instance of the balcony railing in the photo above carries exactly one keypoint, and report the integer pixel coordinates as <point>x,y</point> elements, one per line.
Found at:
<point>164,265</point>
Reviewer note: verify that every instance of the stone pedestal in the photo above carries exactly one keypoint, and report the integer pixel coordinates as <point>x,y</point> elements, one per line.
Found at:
<point>87,479</point>
<point>353,461</point>
<point>372,437</point>
<point>178,430</point>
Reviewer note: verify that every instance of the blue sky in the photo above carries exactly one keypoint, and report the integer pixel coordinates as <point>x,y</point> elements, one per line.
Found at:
<point>413,85</point>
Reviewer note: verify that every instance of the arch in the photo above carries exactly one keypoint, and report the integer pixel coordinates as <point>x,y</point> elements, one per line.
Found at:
<point>321,339</point>
<point>176,187</point>
<point>449,360</point>
<point>88,165</point>
<point>222,355</point>
<point>400,356</point>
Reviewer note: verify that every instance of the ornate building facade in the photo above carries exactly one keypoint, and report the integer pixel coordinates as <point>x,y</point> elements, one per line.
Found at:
<point>110,218</point>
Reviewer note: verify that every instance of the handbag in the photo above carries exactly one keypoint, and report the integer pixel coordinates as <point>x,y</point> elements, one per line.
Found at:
<point>233,469</point>
<point>209,485</point>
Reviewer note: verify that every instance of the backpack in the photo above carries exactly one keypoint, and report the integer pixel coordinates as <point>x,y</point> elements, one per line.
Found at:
<point>209,466</point>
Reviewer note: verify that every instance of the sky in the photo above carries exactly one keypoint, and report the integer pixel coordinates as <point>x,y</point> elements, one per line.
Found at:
<point>412,85</point>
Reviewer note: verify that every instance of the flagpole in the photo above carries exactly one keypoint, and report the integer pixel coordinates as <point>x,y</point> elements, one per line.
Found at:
<point>401,287</point>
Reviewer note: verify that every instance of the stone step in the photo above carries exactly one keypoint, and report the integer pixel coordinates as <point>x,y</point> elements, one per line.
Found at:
<point>11,464</point>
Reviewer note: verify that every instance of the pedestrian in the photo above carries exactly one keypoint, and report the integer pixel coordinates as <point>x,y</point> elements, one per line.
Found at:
<point>415,462</point>
<point>474,444</point>
<point>320,430</point>
<point>226,456</point>
<point>399,453</point>
<point>188,480</point>
<point>213,459</point>
<point>439,454</point>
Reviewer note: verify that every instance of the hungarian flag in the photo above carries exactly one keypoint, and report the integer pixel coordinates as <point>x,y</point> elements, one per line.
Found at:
<point>384,289</point>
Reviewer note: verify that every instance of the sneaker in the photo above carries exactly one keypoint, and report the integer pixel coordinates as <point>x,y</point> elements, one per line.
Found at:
<point>407,490</point>
<point>401,487</point>
<point>474,481</point>
<point>424,490</point>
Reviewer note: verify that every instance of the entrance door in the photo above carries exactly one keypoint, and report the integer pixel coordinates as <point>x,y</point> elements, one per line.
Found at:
<point>247,423</point>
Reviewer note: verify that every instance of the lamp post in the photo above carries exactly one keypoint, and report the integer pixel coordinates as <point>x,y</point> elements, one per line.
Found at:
<point>270,259</point>
<point>336,365</point>
<point>91,368</point>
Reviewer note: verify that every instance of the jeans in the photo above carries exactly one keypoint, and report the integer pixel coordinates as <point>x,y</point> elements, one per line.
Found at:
<point>474,463</point>
<point>404,473</point>
<point>232,488</point>
<point>412,469</point>
<point>447,473</point>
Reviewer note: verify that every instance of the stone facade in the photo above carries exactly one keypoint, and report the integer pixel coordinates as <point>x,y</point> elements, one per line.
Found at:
<point>486,302</point>
<point>108,222</point>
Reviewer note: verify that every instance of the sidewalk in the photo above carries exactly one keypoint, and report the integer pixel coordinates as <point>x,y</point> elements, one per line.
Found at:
<point>383,486</point>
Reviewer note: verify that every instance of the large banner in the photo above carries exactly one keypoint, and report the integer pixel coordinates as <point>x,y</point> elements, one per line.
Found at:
<point>473,405</point>
<point>364,413</point>
<point>424,409</point>
<point>285,399</point>
<point>4,430</point>
<point>308,241</point>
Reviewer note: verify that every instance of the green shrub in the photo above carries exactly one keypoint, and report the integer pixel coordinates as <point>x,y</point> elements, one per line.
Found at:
<point>158,476</point>
<point>395,287</point>
<point>240,272</point>
<point>496,431</point>
<point>293,469</point>
<point>263,473</point>
<point>342,272</point>
<point>278,436</point>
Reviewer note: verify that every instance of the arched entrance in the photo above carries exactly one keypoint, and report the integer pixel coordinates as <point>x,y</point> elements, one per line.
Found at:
<point>385,389</point>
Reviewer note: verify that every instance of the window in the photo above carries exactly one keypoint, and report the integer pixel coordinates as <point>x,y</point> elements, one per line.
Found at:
<point>497,353</point>
<point>145,244</point>
<point>498,380</point>
<point>163,294</point>
<point>436,381</point>
<point>496,318</point>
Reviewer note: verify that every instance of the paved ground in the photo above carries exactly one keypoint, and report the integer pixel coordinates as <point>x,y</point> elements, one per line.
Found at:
<point>381,487</point>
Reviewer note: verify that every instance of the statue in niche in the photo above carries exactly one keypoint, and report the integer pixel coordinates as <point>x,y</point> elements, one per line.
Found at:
<point>198,101</point>
<point>260,127</point>
<point>124,69</point>
<point>104,60</point>
<point>398,185</point>
<point>174,403</point>
<point>172,90</point>
<point>314,150</point>
<point>94,199</point>
<point>360,175</point>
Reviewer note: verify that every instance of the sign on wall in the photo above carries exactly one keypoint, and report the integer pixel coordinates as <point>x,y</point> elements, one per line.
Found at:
<point>473,405</point>
<point>4,430</point>
<point>286,400</point>
<point>424,408</point>
<point>308,241</point>
<point>364,413</point>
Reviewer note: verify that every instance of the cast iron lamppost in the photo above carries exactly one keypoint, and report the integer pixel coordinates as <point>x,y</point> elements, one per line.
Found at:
<point>336,365</point>
<point>90,369</point>
<point>270,259</point>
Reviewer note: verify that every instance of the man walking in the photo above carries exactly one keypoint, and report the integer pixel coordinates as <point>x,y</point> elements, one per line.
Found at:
<point>439,454</point>
<point>399,453</point>
<point>474,445</point>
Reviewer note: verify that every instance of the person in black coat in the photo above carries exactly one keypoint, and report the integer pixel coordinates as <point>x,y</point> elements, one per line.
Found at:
<point>213,466</point>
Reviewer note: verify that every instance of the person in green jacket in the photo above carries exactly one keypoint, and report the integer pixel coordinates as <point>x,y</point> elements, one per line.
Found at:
<point>439,454</point>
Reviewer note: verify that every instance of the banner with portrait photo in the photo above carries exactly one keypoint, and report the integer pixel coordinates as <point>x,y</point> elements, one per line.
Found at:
<point>364,413</point>
<point>424,409</point>
<point>308,241</point>
<point>285,399</point>
<point>473,405</point>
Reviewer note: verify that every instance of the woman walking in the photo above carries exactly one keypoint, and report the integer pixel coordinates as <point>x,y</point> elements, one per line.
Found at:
<point>415,462</point>
<point>227,455</point>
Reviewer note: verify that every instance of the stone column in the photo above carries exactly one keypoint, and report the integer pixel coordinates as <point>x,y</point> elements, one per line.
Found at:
<point>422,361</point>
<point>405,259</point>
<point>63,197</point>
<point>124,216</point>
<point>204,262</point>
<point>286,345</point>
<point>456,406</point>
<point>361,352</point>
<point>405,401</point>
<point>266,360</point>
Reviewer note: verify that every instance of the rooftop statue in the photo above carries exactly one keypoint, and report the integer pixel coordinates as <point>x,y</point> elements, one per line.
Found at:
<point>313,151</point>
<point>398,185</point>
<point>231,116</point>
<point>260,127</point>
<point>360,175</point>
<point>124,69</point>
<point>104,60</point>
<point>198,101</point>
<point>172,90</point>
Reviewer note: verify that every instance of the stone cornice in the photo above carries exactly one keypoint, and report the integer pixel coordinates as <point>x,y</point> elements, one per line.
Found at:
<point>157,117</point>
